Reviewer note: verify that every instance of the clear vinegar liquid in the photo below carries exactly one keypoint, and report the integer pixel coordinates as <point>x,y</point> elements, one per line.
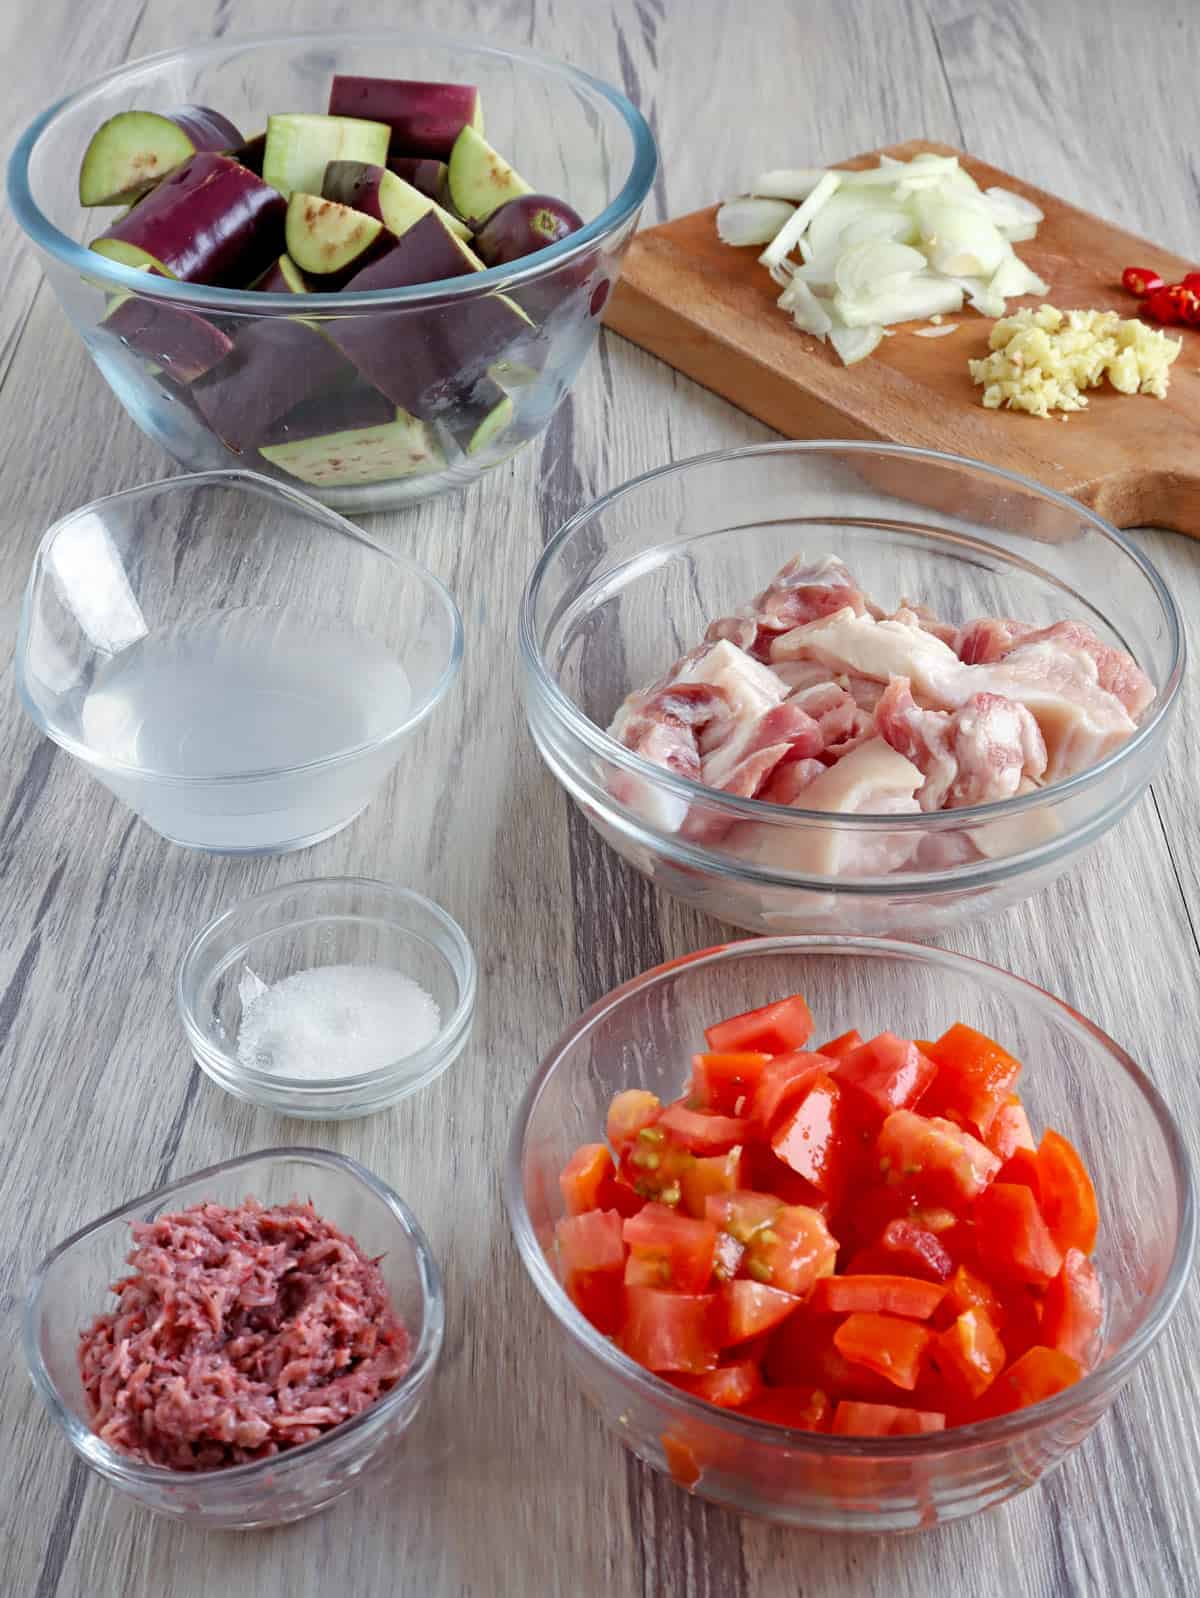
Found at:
<point>249,690</point>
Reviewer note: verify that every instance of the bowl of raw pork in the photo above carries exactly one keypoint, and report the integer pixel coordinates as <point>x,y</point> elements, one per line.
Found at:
<point>238,1347</point>
<point>369,261</point>
<point>843,686</point>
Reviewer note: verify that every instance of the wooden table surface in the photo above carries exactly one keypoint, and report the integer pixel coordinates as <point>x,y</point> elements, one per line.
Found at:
<point>515,1488</point>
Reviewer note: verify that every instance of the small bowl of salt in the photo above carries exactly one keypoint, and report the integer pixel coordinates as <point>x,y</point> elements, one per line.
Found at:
<point>328,999</point>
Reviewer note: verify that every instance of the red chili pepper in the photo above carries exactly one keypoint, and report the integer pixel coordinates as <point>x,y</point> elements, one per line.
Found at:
<point>1192,282</point>
<point>1140,281</point>
<point>1189,303</point>
<point>1164,305</point>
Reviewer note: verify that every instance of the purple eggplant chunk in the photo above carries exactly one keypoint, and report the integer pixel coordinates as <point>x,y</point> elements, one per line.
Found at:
<point>426,176</point>
<point>184,345</point>
<point>282,277</point>
<point>425,118</point>
<point>128,154</point>
<point>251,151</point>
<point>274,365</point>
<point>332,412</point>
<point>523,226</point>
<point>211,221</point>
<point>350,439</point>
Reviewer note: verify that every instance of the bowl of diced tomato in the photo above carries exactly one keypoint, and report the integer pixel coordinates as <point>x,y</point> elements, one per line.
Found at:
<point>848,1233</point>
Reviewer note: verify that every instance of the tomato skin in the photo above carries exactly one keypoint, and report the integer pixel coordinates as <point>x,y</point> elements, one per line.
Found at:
<point>941,1160</point>
<point>815,1140</point>
<point>888,1073</point>
<point>1010,1131</point>
<point>582,1178</point>
<point>1038,1374</point>
<point>853,1419</point>
<point>729,1386</point>
<point>974,1077</point>
<point>1068,1199</point>
<point>721,1082</point>
<point>669,1249</point>
<point>783,1082</point>
<point>1074,1309</point>
<point>768,1174</point>
<point>1011,1234</point>
<point>702,1131</point>
<point>628,1113</point>
<point>714,1173</point>
<point>681,1460</point>
<point>904,1248</point>
<point>773,1029</point>
<point>967,1290</point>
<point>667,1331</point>
<point>1021,1167</point>
<point>891,1295</point>
<point>591,1257</point>
<point>793,1251</point>
<point>891,1347</point>
<point>969,1355</point>
<point>842,1045</point>
<point>803,1408</point>
<point>747,1309</point>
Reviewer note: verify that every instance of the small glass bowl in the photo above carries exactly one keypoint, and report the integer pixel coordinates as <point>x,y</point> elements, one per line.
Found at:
<point>1076,1079</point>
<point>72,1284</point>
<point>326,921</point>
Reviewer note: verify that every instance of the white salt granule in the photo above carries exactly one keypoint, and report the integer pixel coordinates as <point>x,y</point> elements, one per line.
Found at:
<point>335,1020</point>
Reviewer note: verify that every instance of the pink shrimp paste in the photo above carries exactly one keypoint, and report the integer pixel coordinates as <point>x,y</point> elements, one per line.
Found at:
<point>239,1333</point>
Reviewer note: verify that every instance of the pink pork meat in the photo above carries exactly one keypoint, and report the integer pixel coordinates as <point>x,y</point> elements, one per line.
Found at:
<point>239,1333</point>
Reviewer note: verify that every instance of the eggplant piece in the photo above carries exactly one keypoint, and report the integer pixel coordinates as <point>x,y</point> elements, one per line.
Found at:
<point>282,277</point>
<point>480,180</point>
<point>299,147</point>
<point>352,439</point>
<point>377,191</point>
<point>210,221</point>
<point>274,365</point>
<point>426,359</point>
<point>129,153</point>
<point>482,417</point>
<point>183,345</point>
<point>330,241</point>
<point>426,176</point>
<point>251,151</point>
<point>523,226</point>
<point>424,118</point>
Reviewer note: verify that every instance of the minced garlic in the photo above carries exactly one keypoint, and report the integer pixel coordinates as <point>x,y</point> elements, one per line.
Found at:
<point>1041,360</point>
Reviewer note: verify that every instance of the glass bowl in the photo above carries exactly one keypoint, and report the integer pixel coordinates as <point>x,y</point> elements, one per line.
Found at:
<point>633,580</point>
<point>327,922</point>
<point>1076,1079</point>
<point>237,663</point>
<point>72,1283</point>
<point>483,397</point>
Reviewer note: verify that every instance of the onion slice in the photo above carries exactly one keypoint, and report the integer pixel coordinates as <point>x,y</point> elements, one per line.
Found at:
<point>856,343</point>
<point>751,220</point>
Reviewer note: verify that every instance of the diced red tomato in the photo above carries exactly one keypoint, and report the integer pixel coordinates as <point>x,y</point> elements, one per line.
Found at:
<point>907,1249</point>
<point>783,1082</point>
<point>628,1113</point>
<point>793,1251</point>
<point>616,1194</point>
<point>591,1259</point>
<point>583,1177</point>
<point>725,1082</point>
<point>701,1131</point>
<point>1068,1198</point>
<point>804,1408</point>
<point>813,1140</point>
<point>775,1029</point>
<point>967,1290</point>
<point>837,1047</point>
<point>939,1158</point>
<point>1021,1167</point>
<point>741,1214</point>
<point>1010,1130</point>
<point>713,1173</point>
<point>681,1460</point>
<point>727,1257</point>
<point>672,1250</point>
<point>768,1174</point>
<point>891,1295</point>
<point>1074,1309</point>
<point>851,1419</point>
<point>1038,1374</point>
<point>1011,1234</point>
<point>667,1331</point>
<point>974,1077</point>
<point>891,1347</point>
<point>747,1309</point>
<point>888,1073</point>
<point>729,1386</point>
<point>969,1354</point>
<point>655,1165</point>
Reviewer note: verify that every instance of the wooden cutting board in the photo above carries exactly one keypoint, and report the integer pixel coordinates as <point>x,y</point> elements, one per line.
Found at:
<point>709,311</point>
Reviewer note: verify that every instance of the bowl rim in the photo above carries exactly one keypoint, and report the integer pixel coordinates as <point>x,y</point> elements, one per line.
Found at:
<point>116,1466</point>
<point>415,1070</point>
<point>46,236</point>
<point>240,479</point>
<point>1106,1377</point>
<point>606,748</point>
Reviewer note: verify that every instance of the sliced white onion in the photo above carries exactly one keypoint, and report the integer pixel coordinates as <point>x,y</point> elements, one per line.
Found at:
<point>910,301</point>
<point>1012,277</point>
<point>750,220</point>
<point>1022,234</point>
<point>819,274</point>
<point>935,332</point>
<point>855,343</point>
<point>875,267</point>
<point>788,183</point>
<point>784,241</point>
<point>809,315</point>
<point>848,206</point>
<point>961,243</point>
<point>1011,210</point>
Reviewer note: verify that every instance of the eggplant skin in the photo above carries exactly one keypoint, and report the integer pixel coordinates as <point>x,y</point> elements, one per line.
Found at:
<point>184,345</point>
<point>425,118</point>
<point>428,177</point>
<point>275,363</point>
<point>523,226</point>
<point>211,221</point>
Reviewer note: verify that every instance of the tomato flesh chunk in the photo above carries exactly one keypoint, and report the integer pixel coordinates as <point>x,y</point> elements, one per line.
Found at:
<point>1073,1309</point>
<point>804,1408</point>
<point>773,1029</point>
<point>793,1251</point>
<point>852,1419</point>
<point>814,1140</point>
<point>891,1295</point>
<point>891,1347</point>
<point>1010,1131</point>
<point>1039,1373</point>
<point>709,1174</point>
<point>721,1082</point>
<point>974,1077</point>
<point>582,1179</point>
<point>628,1113</point>
<point>842,1044</point>
<point>1012,1236</point>
<point>1068,1199</point>
<point>667,1331</point>
<point>967,1290</point>
<point>702,1131</point>
<point>671,1250</point>
<point>938,1157</point>
<point>729,1386</point>
<point>969,1354</point>
<point>905,1248</point>
<point>748,1309</point>
<point>591,1257</point>
<point>681,1460</point>
<point>888,1073</point>
<point>783,1083</point>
